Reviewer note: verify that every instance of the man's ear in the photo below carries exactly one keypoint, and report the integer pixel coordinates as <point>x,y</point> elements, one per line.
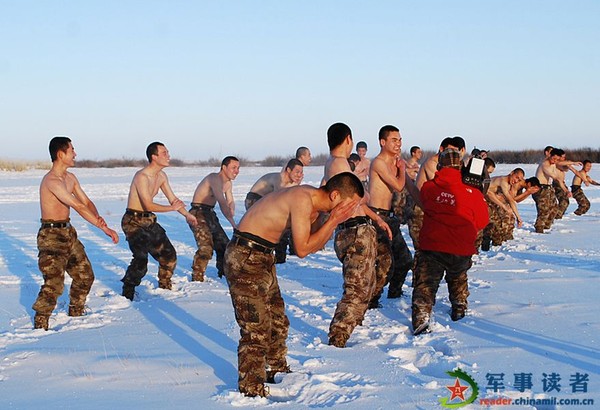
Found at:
<point>334,195</point>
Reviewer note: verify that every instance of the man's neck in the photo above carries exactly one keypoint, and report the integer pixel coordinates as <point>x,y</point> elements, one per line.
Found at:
<point>59,169</point>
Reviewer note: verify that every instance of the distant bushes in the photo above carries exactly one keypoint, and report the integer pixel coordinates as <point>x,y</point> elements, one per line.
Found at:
<point>531,156</point>
<point>528,156</point>
<point>7,165</point>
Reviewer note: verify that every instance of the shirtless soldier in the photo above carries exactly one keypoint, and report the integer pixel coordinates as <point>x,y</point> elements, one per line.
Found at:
<point>387,177</point>
<point>143,233</point>
<point>291,175</point>
<point>59,248</point>
<point>251,275</point>
<point>502,208</point>
<point>582,176</point>
<point>209,234</point>
<point>355,245</point>
<point>545,198</point>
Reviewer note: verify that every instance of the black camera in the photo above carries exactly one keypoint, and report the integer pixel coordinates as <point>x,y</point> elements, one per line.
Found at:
<point>475,173</point>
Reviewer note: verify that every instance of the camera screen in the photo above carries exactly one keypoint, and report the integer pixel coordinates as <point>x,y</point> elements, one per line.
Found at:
<point>476,167</point>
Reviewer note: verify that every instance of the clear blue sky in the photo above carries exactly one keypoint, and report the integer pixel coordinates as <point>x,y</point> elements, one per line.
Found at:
<point>258,78</point>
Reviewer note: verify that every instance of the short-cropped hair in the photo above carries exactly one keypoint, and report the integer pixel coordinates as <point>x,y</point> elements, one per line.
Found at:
<point>58,144</point>
<point>346,183</point>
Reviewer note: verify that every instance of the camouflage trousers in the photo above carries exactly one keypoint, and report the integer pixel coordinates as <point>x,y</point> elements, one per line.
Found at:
<point>501,226</point>
<point>260,314</point>
<point>210,236</point>
<point>429,271</point>
<point>582,201</point>
<point>545,203</point>
<point>145,236</point>
<point>403,206</point>
<point>355,248</point>
<point>414,225</point>
<point>393,260</point>
<point>60,251</point>
<point>563,200</point>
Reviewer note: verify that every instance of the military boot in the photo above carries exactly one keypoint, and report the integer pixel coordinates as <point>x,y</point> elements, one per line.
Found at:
<point>338,340</point>
<point>421,323</point>
<point>40,321</point>
<point>165,284</point>
<point>253,391</point>
<point>272,372</point>
<point>76,310</point>
<point>458,312</point>
<point>197,277</point>
<point>128,291</point>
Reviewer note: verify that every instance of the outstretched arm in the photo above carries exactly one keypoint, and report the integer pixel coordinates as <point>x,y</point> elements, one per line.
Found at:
<point>80,202</point>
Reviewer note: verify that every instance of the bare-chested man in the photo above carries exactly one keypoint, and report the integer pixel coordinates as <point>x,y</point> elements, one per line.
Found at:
<point>59,248</point>
<point>355,245</point>
<point>403,203</point>
<point>143,233</point>
<point>303,154</point>
<point>412,164</point>
<point>387,177</point>
<point>251,274</point>
<point>362,167</point>
<point>502,208</point>
<point>291,175</point>
<point>216,187</point>
<point>521,190</point>
<point>583,204</point>
<point>545,198</point>
<point>562,197</point>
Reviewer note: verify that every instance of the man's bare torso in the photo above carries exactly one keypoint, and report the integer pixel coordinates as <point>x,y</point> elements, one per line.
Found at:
<point>337,165</point>
<point>380,194</point>
<point>267,184</point>
<point>147,181</point>
<point>270,216</point>
<point>51,207</point>
<point>205,191</point>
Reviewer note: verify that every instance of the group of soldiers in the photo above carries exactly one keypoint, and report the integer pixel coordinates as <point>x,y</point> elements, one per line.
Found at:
<point>362,201</point>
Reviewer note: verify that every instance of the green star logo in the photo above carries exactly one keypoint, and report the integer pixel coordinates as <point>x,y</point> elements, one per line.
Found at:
<point>457,390</point>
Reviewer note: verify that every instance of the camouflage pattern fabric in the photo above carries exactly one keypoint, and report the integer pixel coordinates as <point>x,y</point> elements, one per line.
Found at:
<point>210,236</point>
<point>563,200</point>
<point>403,205</point>
<point>501,224</point>
<point>414,225</point>
<point>582,201</point>
<point>430,267</point>
<point>260,314</point>
<point>392,263</point>
<point>545,203</point>
<point>145,236</point>
<point>355,247</point>
<point>60,251</point>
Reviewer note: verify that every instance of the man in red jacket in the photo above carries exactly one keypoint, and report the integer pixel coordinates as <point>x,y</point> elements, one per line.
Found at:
<point>454,213</point>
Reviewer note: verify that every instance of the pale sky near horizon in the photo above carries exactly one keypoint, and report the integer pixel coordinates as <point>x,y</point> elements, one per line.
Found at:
<point>259,78</point>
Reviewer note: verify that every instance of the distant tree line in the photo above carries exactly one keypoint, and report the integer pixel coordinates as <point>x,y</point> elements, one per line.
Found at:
<point>529,156</point>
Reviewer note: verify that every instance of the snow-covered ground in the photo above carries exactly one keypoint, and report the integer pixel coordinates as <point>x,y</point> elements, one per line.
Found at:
<point>534,315</point>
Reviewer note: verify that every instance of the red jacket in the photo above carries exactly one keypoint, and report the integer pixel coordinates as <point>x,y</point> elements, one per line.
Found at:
<point>454,213</point>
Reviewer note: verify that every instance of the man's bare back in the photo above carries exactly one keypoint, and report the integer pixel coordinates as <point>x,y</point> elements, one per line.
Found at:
<point>296,208</point>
